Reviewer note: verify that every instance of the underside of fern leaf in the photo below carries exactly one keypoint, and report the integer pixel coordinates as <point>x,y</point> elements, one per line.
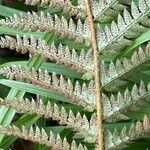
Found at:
<point>119,140</point>
<point>58,26</point>
<point>77,123</point>
<point>84,37</point>
<point>61,5</point>
<point>106,12</point>
<point>40,136</point>
<point>80,95</point>
<point>116,108</point>
<point>128,27</point>
<point>60,54</point>
<point>115,74</point>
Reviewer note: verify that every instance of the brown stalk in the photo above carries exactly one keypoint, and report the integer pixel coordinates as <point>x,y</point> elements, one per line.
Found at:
<point>96,76</point>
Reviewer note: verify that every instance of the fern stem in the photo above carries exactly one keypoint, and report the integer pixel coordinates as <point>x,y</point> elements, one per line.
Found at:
<point>96,75</point>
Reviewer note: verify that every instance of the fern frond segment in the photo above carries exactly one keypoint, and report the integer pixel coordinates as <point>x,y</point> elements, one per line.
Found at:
<point>46,23</point>
<point>63,6</point>
<point>106,12</point>
<point>114,74</point>
<point>79,95</point>
<point>128,27</point>
<point>119,140</point>
<point>40,136</point>
<point>117,107</point>
<point>77,123</point>
<point>61,55</point>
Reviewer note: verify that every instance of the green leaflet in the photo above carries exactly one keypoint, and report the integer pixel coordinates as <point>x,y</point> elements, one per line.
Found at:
<point>11,31</point>
<point>32,89</point>
<point>6,11</point>
<point>143,38</point>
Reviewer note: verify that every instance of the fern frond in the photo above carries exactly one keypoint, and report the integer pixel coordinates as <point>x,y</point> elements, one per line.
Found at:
<point>39,136</point>
<point>105,12</point>
<point>83,127</point>
<point>118,140</point>
<point>45,22</point>
<point>129,26</point>
<point>62,55</point>
<point>65,6</point>
<point>114,74</point>
<point>77,123</point>
<point>116,108</point>
<point>78,95</point>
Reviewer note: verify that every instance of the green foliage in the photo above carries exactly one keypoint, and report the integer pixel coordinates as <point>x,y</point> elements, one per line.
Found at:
<point>57,72</point>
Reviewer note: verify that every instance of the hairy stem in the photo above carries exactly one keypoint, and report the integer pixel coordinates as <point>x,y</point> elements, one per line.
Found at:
<point>96,75</point>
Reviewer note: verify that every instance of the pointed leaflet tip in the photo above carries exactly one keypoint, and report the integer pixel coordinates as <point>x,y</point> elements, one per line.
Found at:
<point>146,123</point>
<point>74,145</point>
<point>112,70</point>
<point>107,108</point>
<point>134,10</point>
<point>142,88</point>
<point>141,54</point>
<point>138,128</point>
<point>119,68</point>
<point>135,92</point>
